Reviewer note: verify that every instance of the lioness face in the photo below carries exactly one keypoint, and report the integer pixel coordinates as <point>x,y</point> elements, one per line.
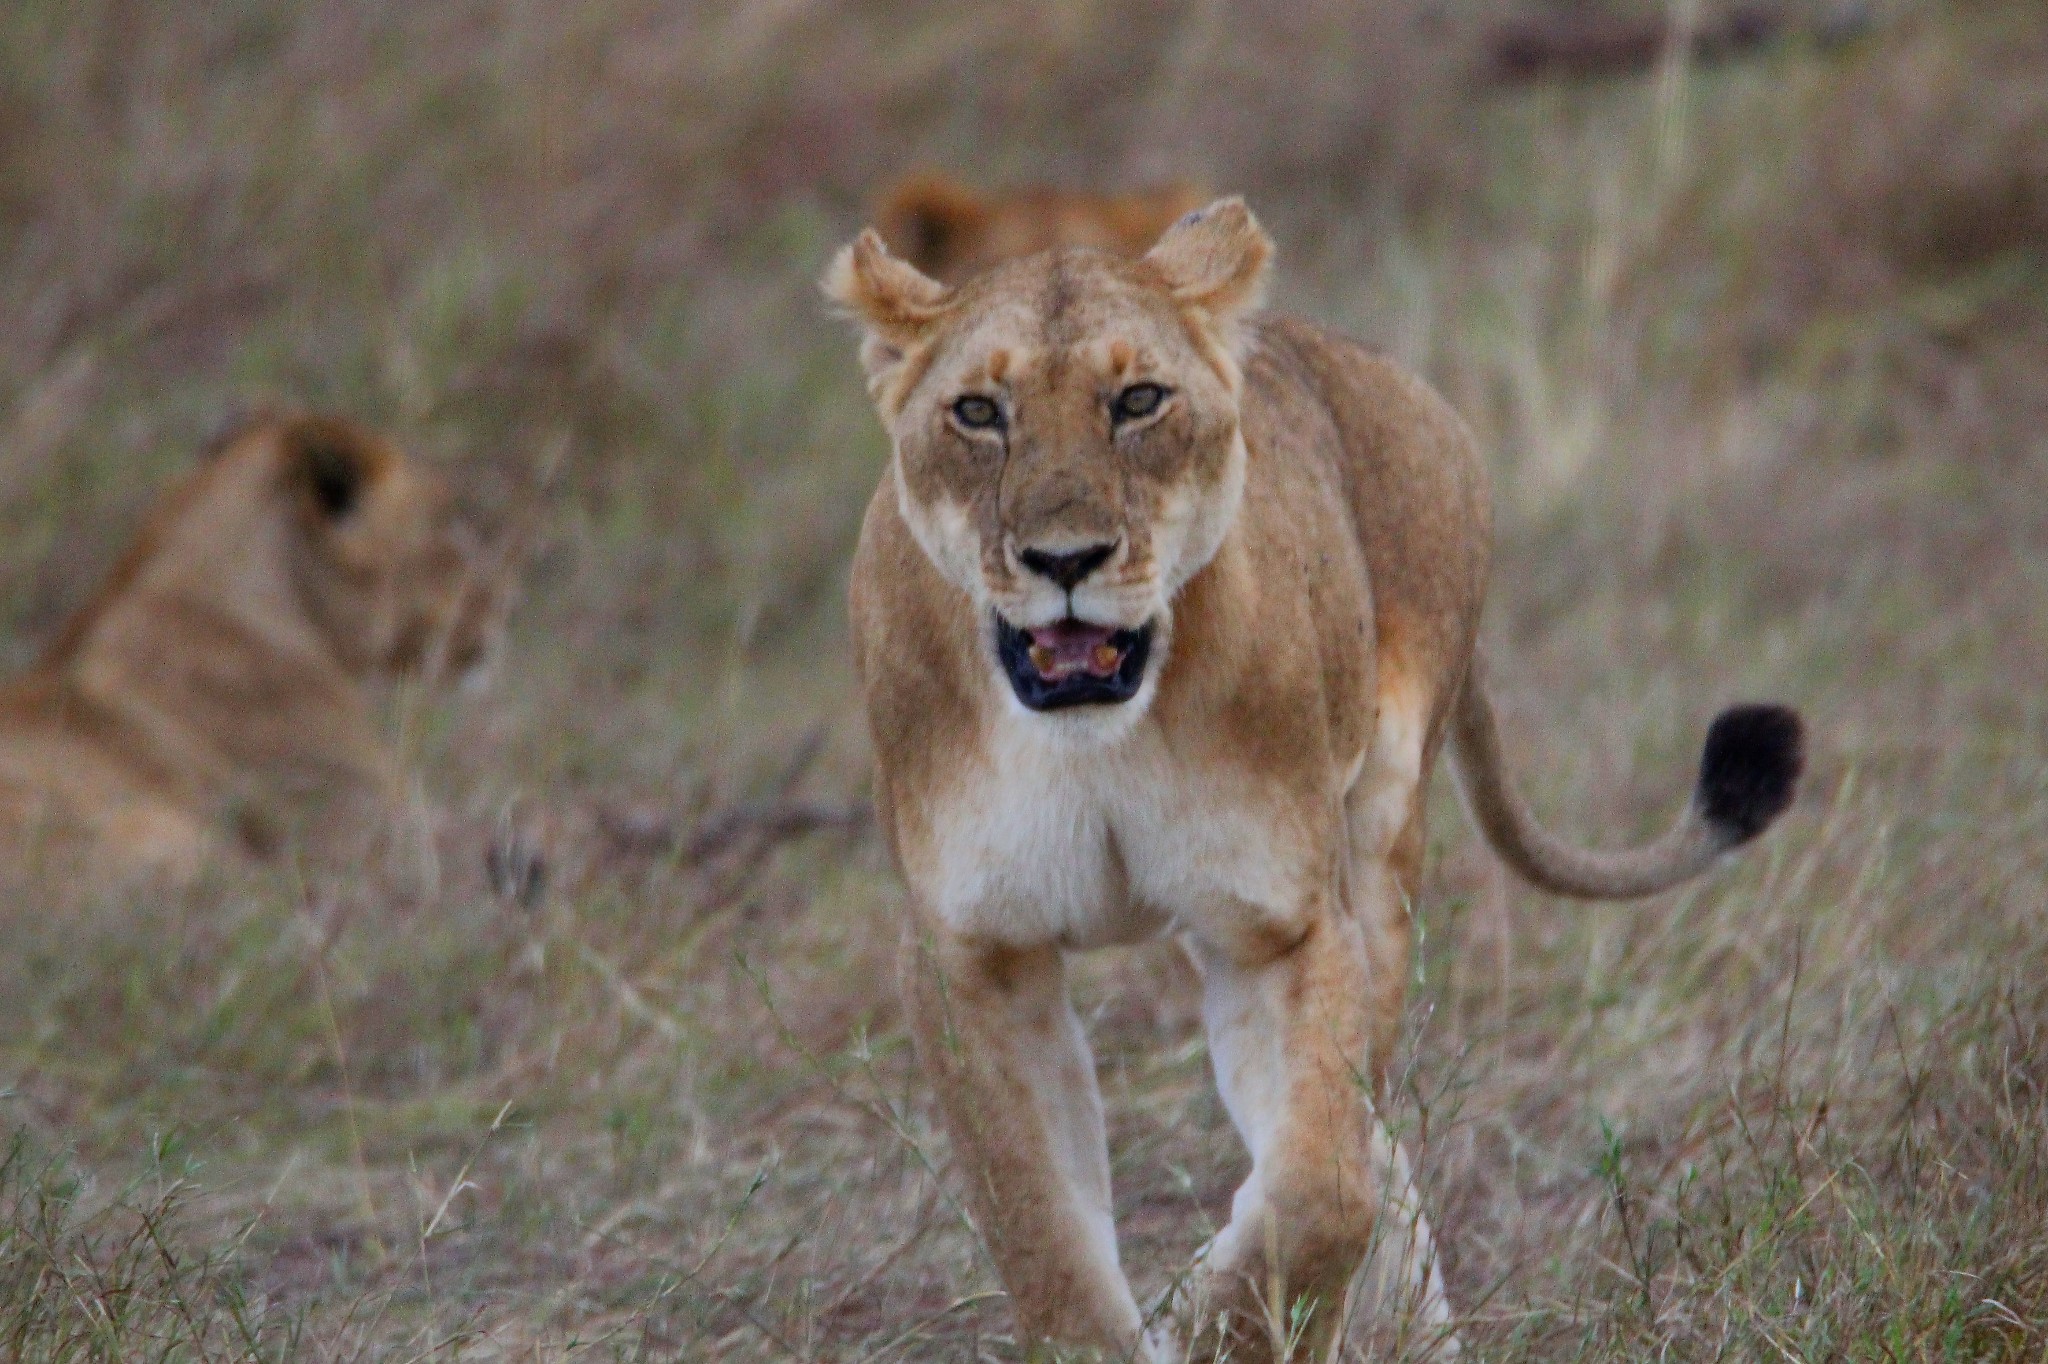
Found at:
<point>388,571</point>
<point>1067,450</point>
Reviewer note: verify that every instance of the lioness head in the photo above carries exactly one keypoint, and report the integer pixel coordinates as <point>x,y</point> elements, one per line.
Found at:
<point>1067,450</point>
<point>389,576</point>
<point>950,231</point>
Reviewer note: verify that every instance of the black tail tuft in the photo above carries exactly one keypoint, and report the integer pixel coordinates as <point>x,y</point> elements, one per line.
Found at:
<point>1749,769</point>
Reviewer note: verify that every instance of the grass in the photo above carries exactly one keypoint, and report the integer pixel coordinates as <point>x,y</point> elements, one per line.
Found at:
<point>92,1276</point>
<point>1757,353</point>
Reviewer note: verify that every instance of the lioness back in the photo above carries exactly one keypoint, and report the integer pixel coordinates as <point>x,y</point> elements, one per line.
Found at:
<point>1409,476</point>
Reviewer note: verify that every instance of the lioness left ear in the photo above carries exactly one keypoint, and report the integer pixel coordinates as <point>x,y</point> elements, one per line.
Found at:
<point>330,463</point>
<point>895,303</point>
<point>1215,260</point>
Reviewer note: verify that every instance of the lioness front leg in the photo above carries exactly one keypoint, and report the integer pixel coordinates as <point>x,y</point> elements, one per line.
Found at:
<point>1289,1036</point>
<point>1016,1084</point>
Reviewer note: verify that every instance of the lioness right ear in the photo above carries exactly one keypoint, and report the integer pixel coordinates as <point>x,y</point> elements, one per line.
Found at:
<point>931,220</point>
<point>895,303</point>
<point>1215,260</point>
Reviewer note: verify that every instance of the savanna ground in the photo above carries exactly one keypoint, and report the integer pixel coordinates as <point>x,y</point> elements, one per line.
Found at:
<point>1758,350</point>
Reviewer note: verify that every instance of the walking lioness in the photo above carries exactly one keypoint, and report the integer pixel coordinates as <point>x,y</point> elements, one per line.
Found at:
<point>1161,613</point>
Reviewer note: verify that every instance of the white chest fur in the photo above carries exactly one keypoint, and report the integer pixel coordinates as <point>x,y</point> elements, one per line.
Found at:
<point>1085,845</point>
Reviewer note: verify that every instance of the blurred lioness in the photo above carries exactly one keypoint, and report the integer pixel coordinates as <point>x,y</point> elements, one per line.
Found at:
<point>210,695</point>
<point>949,231</point>
<point>1162,612</point>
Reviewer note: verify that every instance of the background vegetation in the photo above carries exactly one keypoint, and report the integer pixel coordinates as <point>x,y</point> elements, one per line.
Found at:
<point>1757,345</point>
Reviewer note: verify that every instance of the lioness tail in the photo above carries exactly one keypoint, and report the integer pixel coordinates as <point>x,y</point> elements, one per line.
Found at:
<point>1748,771</point>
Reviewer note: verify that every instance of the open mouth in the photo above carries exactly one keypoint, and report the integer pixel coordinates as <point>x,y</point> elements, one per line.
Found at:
<point>1073,663</point>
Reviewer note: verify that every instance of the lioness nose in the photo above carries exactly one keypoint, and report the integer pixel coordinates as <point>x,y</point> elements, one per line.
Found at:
<point>1069,568</point>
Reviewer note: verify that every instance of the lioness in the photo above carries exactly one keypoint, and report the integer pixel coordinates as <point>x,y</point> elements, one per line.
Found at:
<point>1162,612</point>
<point>213,686</point>
<point>949,231</point>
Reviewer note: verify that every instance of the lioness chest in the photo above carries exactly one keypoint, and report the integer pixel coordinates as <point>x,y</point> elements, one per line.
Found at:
<point>1086,847</point>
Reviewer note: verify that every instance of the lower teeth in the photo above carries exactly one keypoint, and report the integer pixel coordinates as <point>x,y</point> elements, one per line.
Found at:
<point>1103,658</point>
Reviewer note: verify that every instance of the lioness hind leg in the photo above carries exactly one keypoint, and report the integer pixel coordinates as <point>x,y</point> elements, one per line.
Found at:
<point>1016,1087</point>
<point>1401,1283</point>
<point>1289,1040</point>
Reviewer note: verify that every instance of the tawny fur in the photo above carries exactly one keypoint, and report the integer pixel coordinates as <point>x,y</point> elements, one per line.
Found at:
<point>1306,526</point>
<point>951,231</point>
<point>210,696</point>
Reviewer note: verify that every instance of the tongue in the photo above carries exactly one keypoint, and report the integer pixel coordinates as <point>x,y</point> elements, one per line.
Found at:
<point>1072,647</point>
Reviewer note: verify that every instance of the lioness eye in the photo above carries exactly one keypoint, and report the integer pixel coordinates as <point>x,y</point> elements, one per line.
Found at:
<point>978,413</point>
<point>1139,400</point>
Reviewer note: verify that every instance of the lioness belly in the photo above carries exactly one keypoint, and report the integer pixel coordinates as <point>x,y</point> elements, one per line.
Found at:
<point>1088,847</point>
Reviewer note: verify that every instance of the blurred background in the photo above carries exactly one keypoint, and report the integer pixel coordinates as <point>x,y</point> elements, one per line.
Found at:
<point>1748,306</point>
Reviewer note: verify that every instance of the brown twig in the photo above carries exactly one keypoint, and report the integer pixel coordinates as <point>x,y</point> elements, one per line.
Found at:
<point>1580,47</point>
<point>755,827</point>
<point>767,823</point>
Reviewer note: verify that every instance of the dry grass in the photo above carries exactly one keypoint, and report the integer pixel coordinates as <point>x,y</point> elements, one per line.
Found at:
<point>1758,353</point>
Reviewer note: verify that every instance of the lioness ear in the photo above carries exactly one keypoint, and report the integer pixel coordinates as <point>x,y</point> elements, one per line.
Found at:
<point>932,220</point>
<point>893,301</point>
<point>1215,259</point>
<point>329,462</point>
